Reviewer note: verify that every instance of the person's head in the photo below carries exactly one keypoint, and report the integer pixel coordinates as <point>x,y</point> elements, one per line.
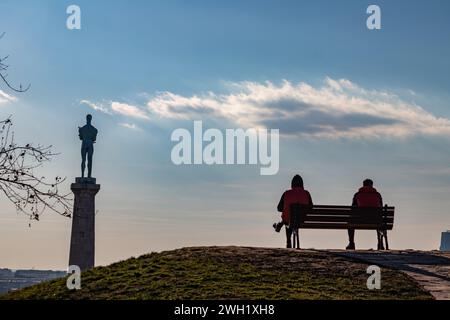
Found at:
<point>89,118</point>
<point>368,183</point>
<point>297,182</point>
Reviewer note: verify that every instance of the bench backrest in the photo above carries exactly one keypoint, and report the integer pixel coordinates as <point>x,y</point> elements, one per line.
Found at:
<point>341,217</point>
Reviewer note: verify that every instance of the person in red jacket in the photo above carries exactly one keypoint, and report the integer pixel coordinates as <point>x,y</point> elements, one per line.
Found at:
<point>367,196</point>
<point>297,194</point>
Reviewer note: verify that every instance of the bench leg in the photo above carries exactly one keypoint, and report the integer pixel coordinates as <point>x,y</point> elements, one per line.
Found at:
<point>294,238</point>
<point>297,239</point>
<point>289,235</point>
<point>379,239</point>
<point>386,239</point>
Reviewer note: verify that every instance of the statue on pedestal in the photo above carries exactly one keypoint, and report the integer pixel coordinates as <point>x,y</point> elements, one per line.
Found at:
<point>88,136</point>
<point>82,241</point>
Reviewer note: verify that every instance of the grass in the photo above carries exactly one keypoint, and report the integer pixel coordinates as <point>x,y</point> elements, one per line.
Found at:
<point>230,273</point>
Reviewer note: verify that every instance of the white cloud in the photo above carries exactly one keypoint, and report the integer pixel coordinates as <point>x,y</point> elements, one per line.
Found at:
<point>131,126</point>
<point>4,97</point>
<point>115,107</point>
<point>338,108</point>
<point>96,106</point>
<point>129,110</point>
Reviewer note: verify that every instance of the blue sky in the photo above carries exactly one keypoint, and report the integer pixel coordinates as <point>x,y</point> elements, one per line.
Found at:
<point>158,65</point>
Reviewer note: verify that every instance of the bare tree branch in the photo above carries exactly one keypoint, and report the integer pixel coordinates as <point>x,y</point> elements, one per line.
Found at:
<point>3,76</point>
<point>29,193</point>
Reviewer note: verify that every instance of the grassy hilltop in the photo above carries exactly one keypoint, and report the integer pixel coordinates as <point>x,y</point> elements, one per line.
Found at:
<point>230,273</point>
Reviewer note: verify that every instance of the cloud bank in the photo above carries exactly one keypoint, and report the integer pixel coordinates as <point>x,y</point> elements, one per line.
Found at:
<point>337,108</point>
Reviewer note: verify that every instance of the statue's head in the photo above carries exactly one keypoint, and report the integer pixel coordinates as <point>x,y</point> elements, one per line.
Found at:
<point>89,118</point>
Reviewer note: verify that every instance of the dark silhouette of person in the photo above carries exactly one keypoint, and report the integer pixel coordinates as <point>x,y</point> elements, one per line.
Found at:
<point>88,136</point>
<point>297,194</point>
<point>366,197</point>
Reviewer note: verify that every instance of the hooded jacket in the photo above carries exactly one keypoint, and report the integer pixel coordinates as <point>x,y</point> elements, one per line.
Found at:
<point>295,195</point>
<point>367,197</point>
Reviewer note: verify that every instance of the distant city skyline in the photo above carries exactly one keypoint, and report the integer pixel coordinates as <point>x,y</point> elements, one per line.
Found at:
<point>350,104</point>
<point>16,279</point>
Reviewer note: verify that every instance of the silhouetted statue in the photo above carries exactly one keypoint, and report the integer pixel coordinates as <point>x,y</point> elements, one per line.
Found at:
<point>88,135</point>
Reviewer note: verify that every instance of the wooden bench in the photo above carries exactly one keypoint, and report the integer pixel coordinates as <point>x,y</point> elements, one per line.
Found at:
<point>341,217</point>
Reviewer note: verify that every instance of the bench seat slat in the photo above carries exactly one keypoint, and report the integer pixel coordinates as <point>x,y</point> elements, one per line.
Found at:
<point>344,217</point>
<point>348,219</point>
<point>344,208</point>
<point>343,213</point>
<point>343,226</point>
<point>348,214</point>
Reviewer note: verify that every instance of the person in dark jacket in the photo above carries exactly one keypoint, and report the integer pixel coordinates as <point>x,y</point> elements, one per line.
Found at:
<point>297,194</point>
<point>367,196</point>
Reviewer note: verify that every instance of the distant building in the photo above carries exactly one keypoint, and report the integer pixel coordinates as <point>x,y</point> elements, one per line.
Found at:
<point>445,241</point>
<point>14,280</point>
<point>6,274</point>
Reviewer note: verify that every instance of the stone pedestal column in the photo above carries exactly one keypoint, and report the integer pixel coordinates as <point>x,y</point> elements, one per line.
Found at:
<point>82,242</point>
